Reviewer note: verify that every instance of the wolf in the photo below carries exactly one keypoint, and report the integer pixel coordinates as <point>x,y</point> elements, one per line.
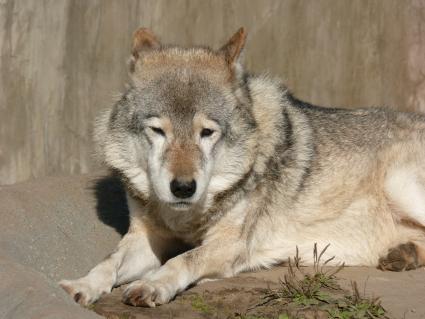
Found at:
<point>226,172</point>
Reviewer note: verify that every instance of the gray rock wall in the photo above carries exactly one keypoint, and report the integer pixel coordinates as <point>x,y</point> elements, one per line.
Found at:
<point>61,61</point>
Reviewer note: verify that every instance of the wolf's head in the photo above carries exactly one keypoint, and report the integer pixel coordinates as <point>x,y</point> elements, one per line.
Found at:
<point>183,131</point>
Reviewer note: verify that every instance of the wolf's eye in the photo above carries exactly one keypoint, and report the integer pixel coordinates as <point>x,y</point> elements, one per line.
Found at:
<point>157,130</point>
<point>206,132</point>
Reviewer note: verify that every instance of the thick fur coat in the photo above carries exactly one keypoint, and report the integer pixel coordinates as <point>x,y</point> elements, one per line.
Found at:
<point>235,167</point>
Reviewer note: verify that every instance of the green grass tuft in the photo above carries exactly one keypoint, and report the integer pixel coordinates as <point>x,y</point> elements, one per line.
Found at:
<point>198,303</point>
<point>356,306</point>
<point>320,291</point>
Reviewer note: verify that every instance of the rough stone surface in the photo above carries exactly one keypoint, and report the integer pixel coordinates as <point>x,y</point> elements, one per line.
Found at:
<point>53,229</point>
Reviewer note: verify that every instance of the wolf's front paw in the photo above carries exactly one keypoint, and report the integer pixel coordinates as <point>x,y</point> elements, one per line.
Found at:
<point>148,293</point>
<point>402,257</point>
<point>83,290</point>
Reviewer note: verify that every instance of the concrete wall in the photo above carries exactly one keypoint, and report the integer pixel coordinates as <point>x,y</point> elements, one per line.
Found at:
<point>62,61</point>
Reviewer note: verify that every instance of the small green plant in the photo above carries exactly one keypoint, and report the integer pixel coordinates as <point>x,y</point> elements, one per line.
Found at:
<point>90,307</point>
<point>198,303</point>
<point>356,306</point>
<point>319,291</point>
<point>306,289</point>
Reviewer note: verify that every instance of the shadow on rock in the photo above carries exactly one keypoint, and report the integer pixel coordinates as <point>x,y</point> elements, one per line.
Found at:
<point>111,205</point>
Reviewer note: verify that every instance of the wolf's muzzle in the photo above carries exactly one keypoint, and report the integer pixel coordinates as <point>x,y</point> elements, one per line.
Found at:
<point>183,189</point>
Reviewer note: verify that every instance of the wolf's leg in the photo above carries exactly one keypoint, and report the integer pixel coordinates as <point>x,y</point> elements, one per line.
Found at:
<point>131,259</point>
<point>403,257</point>
<point>138,252</point>
<point>218,259</point>
<point>405,188</point>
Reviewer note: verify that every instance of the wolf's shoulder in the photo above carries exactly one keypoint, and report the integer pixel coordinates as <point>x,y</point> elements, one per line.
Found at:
<point>363,115</point>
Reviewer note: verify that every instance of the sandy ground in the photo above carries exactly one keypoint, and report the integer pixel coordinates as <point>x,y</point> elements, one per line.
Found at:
<point>402,295</point>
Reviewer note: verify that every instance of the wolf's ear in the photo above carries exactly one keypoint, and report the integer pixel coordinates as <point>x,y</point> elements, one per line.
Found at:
<point>233,48</point>
<point>143,40</point>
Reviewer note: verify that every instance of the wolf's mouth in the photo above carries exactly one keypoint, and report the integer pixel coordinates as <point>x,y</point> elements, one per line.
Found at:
<point>180,205</point>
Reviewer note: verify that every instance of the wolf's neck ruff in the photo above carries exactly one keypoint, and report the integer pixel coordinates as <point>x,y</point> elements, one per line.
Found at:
<point>280,144</point>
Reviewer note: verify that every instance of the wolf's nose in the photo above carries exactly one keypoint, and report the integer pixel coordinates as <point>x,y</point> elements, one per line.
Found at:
<point>183,189</point>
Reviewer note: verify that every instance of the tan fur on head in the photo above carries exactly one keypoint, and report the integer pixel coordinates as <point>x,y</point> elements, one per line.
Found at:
<point>223,64</point>
<point>182,161</point>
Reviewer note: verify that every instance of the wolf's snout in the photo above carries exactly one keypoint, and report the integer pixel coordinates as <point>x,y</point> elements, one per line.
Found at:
<point>183,189</point>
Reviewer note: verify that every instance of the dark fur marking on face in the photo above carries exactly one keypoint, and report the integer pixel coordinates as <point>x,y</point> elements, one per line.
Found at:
<point>120,111</point>
<point>135,124</point>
